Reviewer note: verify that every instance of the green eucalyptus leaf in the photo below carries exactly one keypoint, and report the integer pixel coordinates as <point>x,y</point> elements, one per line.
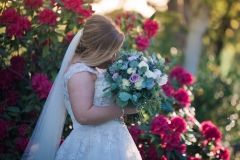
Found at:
<point>124,96</point>
<point>108,94</point>
<point>120,102</point>
<point>143,69</point>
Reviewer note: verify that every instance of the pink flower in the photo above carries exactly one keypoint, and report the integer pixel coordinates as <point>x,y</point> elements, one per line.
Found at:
<point>47,16</point>
<point>4,125</point>
<point>16,71</point>
<point>22,129</point>
<point>142,43</point>
<point>21,144</point>
<point>33,3</point>
<point>25,23</point>
<point>41,85</point>
<point>61,141</point>
<point>7,81</point>
<point>150,27</point>
<point>182,76</point>
<point>213,134</point>
<point>224,154</point>
<point>181,148</point>
<point>12,98</point>
<point>178,124</point>
<point>210,131</point>
<point>135,131</point>
<point>74,5</point>
<point>85,12</point>
<point>19,60</point>
<point>182,97</point>
<point>9,16</point>
<point>152,154</point>
<point>15,29</point>
<point>159,125</point>
<point>168,89</point>
<point>69,37</point>
<point>171,141</point>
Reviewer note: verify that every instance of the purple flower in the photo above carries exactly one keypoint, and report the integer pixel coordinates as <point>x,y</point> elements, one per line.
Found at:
<point>134,78</point>
<point>132,58</point>
<point>115,75</point>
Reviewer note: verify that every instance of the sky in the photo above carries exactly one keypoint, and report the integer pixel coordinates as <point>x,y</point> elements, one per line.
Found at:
<point>141,6</point>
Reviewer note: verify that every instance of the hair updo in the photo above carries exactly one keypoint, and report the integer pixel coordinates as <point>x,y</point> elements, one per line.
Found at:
<point>100,40</point>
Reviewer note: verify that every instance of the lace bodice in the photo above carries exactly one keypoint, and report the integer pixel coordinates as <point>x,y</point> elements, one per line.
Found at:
<point>100,85</point>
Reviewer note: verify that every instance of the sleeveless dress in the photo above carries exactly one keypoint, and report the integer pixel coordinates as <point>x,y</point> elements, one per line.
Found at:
<point>107,141</point>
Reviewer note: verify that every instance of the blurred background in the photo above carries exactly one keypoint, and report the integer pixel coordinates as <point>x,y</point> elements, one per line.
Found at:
<point>204,37</point>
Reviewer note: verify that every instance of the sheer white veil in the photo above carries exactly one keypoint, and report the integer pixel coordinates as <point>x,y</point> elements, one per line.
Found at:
<point>46,136</point>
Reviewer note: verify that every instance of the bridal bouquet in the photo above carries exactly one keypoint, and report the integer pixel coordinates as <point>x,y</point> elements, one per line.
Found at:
<point>136,81</point>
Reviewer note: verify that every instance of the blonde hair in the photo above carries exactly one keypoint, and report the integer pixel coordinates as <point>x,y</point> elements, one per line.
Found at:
<point>101,39</point>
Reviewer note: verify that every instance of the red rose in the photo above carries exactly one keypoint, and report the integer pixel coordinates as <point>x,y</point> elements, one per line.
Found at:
<point>182,76</point>
<point>74,5</point>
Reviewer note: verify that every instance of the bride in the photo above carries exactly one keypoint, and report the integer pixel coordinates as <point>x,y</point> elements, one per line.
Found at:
<point>98,130</point>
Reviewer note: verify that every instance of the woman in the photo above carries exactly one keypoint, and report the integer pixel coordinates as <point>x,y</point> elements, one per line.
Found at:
<point>97,133</point>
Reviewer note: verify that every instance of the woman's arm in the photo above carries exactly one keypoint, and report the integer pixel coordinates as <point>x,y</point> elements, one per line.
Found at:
<point>81,92</point>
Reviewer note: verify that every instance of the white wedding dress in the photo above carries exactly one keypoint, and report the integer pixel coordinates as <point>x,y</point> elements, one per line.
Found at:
<point>107,141</point>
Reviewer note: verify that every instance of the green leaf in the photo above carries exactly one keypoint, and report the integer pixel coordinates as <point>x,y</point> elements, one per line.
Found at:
<point>160,152</point>
<point>108,94</point>
<point>143,69</point>
<point>153,16</point>
<point>169,154</point>
<point>13,109</point>
<point>3,53</point>
<point>120,102</point>
<point>135,98</point>
<point>43,38</point>
<point>144,128</point>
<point>53,73</point>
<point>29,107</point>
<point>29,87</point>
<point>124,96</point>
<point>6,116</point>
<point>45,50</point>
<point>113,86</point>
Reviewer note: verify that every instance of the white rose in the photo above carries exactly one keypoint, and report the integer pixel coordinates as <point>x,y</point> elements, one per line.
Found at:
<point>162,80</point>
<point>158,73</point>
<point>150,74</point>
<point>138,84</point>
<point>131,70</point>
<point>143,64</point>
<point>119,61</point>
<point>125,83</point>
